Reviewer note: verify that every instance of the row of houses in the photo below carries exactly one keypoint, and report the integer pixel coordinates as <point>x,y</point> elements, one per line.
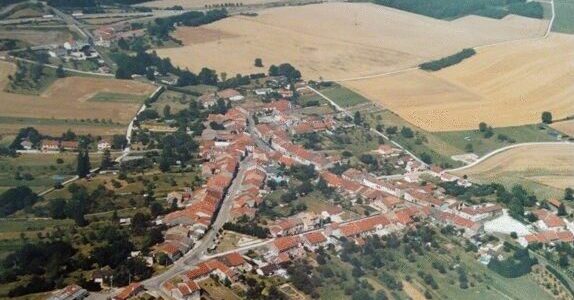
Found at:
<point>221,158</point>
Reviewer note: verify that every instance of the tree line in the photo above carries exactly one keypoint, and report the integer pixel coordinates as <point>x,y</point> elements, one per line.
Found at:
<point>448,61</point>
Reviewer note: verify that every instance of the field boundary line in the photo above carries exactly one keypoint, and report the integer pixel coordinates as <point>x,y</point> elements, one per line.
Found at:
<point>503,149</point>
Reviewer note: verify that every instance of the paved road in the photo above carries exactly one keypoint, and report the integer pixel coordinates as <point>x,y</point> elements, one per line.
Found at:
<point>346,112</point>
<point>200,249</point>
<point>497,151</point>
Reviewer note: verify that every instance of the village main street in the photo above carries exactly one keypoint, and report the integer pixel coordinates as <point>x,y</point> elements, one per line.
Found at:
<point>208,240</point>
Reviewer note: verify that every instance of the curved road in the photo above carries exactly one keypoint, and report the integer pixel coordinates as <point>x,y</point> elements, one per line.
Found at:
<point>500,150</point>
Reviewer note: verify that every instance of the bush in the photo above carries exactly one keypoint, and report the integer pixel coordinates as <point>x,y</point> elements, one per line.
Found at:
<point>448,61</point>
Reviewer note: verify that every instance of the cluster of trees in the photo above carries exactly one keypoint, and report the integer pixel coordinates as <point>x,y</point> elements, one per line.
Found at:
<point>445,9</point>
<point>520,263</point>
<point>161,27</point>
<point>286,70</point>
<point>178,146</point>
<point>27,76</point>
<point>144,62</point>
<point>16,199</point>
<point>448,61</point>
<point>246,227</point>
<point>45,262</point>
<point>29,133</point>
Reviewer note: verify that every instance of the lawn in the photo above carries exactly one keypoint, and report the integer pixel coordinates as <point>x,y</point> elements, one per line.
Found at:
<point>44,169</point>
<point>12,231</point>
<point>176,101</point>
<point>343,96</point>
<point>482,145</point>
<point>564,11</point>
<point>442,145</point>
<point>216,290</point>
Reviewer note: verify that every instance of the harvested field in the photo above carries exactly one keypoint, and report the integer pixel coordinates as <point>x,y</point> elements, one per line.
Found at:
<point>187,4</point>
<point>65,104</point>
<point>545,169</point>
<point>340,40</point>
<point>38,36</point>
<point>505,85</point>
<point>566,127</point>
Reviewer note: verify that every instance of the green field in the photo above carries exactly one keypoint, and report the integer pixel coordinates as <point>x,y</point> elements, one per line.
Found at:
<point>482,145</point>
<point>564,22</point>
<point>483,283</point>
<point>12,231</point>
<point>42,167</point>
<point>117,97</point>
<point>343,96</point>
<point>176,101</point>
<point>442,145</point>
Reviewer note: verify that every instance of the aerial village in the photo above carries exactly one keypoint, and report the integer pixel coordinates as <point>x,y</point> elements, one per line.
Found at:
<point>253,149</point>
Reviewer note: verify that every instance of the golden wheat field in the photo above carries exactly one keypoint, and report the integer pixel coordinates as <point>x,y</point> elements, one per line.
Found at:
<point>70,99</point>
<point>536,166</point>
<point>338,40</point>
<point>504,85</point>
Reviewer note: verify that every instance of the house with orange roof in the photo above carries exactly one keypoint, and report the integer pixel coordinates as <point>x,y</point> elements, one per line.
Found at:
<point>314,240</point>
<point>547,237</point>
<point>376,225</point>
<point>235,260</point>
<point>171,249</point>
<point>470,228</point>
<point>285,244</point>
<point>287,226</point>
<point>204,269</point>
<point>129,291</point>
<point>70,292</point>
<point>548,220</point>
<point>189,290</point>
<point>380,185</point>
<point>480,212</point>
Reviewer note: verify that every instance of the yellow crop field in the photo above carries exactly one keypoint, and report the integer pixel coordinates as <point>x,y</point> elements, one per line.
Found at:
<point>338,40</point>
<point>67,101</point>
<point>503,85</point>
<point>547,167</point>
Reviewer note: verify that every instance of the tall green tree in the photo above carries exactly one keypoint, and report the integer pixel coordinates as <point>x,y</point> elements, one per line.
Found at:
<point>83,164</point>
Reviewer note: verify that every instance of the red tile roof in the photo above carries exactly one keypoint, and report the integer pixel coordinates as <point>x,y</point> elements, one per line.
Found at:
<point>286,243</point>
<point>129,291</point>
<point>232,259</point>
<point>315,237</point>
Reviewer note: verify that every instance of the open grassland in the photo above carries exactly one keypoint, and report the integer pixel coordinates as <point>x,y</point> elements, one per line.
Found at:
<point>338,40</point>
<point>544,169</point>
<point>68,103</point>
<point>37,36</point>
<point>566,127</point>
<point>343,96</point>
<point>44,168</point>
<point>564,21</point>
<point>12,231</point>
<point>504,85</point>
